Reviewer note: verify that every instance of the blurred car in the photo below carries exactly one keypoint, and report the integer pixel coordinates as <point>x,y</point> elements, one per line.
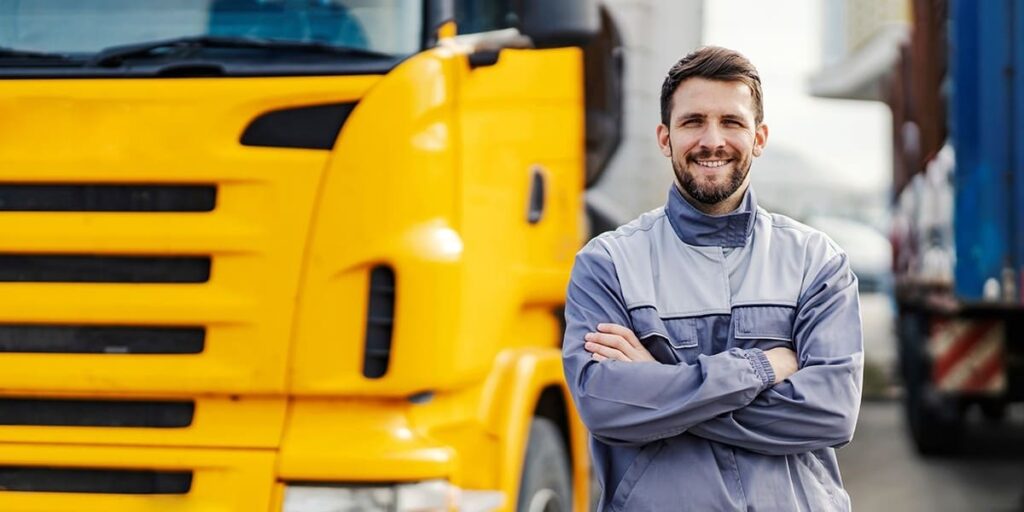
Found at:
<point>869,250</point>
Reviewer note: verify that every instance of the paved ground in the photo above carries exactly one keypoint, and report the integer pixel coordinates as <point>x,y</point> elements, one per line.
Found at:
<point>882,471</point>
<point>877,315</point>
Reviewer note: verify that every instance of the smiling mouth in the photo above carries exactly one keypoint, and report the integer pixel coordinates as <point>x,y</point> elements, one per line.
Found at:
<point>712,164</point>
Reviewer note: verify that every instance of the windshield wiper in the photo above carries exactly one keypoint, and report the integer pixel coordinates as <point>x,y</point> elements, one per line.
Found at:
<point>7,52</point>
<point>116,55</point>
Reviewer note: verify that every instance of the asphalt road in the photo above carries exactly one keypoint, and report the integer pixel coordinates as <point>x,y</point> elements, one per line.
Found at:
<point>882,471</point>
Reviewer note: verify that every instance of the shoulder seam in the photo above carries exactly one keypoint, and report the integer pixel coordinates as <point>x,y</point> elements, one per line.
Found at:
<point>659,217</point>
<point>817,273</point>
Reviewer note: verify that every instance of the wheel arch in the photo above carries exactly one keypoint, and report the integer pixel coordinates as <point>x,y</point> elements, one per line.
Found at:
<point>531,383</point>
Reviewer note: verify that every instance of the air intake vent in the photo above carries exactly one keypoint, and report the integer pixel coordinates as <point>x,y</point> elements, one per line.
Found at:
<point>103,269</point>
<point>103,481</point>
<point>380,319</point>
<point>107,198</point>
<point>311,127</point>
<point>76,339</point>
<point>95,413</point>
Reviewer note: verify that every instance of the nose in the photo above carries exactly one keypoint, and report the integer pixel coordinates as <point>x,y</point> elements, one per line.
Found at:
<point>712,137</point>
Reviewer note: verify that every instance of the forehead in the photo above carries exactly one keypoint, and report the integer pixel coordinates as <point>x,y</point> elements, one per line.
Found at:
<point>712,97</point>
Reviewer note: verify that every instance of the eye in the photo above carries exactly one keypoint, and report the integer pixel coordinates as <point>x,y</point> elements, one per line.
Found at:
<point>691,122</point>
<point>732,122</point>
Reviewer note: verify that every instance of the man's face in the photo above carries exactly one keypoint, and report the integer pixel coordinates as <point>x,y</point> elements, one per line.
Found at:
<point>712,138</point>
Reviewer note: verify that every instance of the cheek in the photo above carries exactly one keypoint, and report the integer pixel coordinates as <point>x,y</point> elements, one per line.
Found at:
<point>743,144</point>
<point>682,144</point>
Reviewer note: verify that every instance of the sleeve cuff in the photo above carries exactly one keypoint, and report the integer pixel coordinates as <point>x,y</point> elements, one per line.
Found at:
<point>762,367</point>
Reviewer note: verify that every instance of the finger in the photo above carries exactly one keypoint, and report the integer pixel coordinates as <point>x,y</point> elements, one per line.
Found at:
<point>609,340</point>
<point>607,352</point>
<point>598,357</point>
<point>620,330</point>
<point>633,351</point>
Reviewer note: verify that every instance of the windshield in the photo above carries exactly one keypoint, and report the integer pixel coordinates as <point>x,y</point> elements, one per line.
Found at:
<point>80,28</point>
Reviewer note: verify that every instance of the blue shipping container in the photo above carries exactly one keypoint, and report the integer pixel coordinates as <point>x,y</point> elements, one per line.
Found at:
<point>987,124</point>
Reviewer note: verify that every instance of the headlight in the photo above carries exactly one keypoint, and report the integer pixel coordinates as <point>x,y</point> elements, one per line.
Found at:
<point>428,496</point>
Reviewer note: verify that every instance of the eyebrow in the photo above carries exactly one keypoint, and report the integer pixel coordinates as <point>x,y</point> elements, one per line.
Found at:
<point>697,115</point>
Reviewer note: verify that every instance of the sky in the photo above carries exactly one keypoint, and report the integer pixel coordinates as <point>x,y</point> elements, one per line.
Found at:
<point>843,146</point>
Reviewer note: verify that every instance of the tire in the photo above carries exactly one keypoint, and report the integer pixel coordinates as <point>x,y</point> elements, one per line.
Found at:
<point>993,410</point>
<point>935,420</point>
<point>546,484</point>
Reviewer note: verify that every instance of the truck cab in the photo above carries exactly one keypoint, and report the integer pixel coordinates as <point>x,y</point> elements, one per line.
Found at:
<point>289,255</point>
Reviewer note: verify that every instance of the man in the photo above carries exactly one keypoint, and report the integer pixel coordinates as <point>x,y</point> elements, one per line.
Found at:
<point>713,349</point>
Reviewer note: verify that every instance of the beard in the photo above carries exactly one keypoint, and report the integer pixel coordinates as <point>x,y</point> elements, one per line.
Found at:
<point>711,191</point>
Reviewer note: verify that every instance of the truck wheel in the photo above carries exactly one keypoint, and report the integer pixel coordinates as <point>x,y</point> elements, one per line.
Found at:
<point>546,485</point>
<point>994,410</point>
<point>935,420</point>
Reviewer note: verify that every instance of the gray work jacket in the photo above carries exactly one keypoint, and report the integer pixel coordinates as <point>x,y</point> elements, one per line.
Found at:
<point>703,428</point>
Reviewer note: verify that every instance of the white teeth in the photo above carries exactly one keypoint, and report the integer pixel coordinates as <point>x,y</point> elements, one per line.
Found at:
<point>712,163</point>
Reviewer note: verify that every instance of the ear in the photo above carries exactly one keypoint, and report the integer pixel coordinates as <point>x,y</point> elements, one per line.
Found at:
<point>760,139</point>
<point>663,140</point>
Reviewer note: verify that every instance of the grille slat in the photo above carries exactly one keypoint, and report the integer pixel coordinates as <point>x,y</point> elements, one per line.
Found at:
<point>107,198</point>
<point>20,268</point>
<point>96,413</point>
<point>78,339</point>
<point>102,481</point>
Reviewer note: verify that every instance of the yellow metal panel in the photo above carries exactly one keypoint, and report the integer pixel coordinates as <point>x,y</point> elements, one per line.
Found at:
<point>442,199</point>
<point>235,361</point>
<point>142,131</point>
<point>277,498</point>
<point>218,422</point>
<point>388,198</point>
<point>474,437</point>
<point>359,441</point>
<point>521,116</point>
<point>367,440</point>
<point>223,480</point>
<point>142,122</point>
<point>515,385</point>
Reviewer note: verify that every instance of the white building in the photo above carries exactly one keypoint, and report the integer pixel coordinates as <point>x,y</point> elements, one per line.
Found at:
<point>654,35</point>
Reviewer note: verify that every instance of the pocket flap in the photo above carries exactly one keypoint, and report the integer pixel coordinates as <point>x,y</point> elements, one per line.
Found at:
<point>678,332</point>
<point>764,322</point>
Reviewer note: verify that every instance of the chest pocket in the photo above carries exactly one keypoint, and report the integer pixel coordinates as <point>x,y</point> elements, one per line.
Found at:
<point>670,341</point>
<point>763,326</point>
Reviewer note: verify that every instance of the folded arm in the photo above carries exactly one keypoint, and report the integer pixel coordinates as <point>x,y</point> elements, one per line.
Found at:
<point>817,406</point>
<point>639,402</point>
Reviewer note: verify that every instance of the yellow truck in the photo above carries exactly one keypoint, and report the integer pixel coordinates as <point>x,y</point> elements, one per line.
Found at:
<point>289,255</point>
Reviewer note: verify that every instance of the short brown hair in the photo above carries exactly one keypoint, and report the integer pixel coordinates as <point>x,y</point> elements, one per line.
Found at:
<point>712,63</point>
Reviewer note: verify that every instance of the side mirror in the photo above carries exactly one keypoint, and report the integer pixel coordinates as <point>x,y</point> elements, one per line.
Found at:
<point>560,22</point>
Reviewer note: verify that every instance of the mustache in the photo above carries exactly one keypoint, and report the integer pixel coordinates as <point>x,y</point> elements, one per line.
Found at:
<point>706,154</point>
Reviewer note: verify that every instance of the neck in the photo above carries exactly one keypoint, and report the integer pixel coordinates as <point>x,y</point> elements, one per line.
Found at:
<point>727,205</point>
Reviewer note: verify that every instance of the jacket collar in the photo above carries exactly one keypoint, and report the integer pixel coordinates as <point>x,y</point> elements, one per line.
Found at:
<point>698,228</point>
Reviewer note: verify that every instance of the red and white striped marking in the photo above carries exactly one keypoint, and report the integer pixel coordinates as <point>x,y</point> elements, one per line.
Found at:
<point>967,355</point>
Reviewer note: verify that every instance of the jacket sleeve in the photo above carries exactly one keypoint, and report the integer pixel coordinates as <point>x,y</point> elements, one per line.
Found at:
<point>817,406</point>
<point>635,403</point>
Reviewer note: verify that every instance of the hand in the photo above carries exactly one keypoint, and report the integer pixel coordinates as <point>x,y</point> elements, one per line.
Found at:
<point>783,361</point>
<point>613,341</point>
